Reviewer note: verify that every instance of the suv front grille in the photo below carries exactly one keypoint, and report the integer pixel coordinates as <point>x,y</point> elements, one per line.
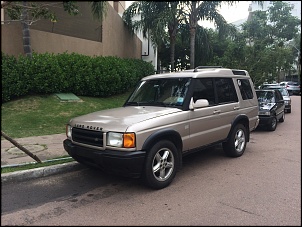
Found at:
<point>94,138</point>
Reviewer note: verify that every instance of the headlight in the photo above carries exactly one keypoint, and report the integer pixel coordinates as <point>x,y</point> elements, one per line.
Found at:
<point>68,131</point>
<point>266,113</point>
<point>125,140</point>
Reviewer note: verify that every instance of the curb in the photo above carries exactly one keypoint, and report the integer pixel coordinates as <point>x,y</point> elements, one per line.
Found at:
<point>40,172</point>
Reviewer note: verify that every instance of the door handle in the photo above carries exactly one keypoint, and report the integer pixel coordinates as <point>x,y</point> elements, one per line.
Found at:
<point>236,107</point>
<point>217,111</point>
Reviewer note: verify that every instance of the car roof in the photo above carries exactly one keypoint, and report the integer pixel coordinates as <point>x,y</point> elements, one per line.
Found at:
<point>275,87</point>
<point>273,84</point>
<point>290,82</point>
<point>202,71</point>
<point>270,90</point>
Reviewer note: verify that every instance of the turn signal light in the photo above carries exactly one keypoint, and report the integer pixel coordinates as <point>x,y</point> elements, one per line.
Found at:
<point>129,140</point>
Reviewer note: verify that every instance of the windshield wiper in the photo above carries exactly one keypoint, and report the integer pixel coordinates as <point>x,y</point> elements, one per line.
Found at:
<point>132,103</point>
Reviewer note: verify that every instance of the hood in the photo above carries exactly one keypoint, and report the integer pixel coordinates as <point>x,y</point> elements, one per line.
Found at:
<point>266,105</point>
<point>119,119</point>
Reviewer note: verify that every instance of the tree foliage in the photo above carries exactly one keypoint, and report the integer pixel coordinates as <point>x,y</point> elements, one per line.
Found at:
<point>156,20</point>
<point>267,34</point>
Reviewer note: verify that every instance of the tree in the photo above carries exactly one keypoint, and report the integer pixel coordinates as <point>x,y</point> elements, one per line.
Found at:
<point>155,19</point>
<point>205,10</point>
<point>202,10</point>
<point>31,12</point>
<point>25,31</point>
<point>267,33</point>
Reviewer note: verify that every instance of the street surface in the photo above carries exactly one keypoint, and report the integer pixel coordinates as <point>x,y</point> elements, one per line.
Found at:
<point>263,188</point>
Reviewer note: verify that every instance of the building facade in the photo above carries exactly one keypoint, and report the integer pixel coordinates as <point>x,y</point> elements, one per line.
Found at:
<point>80,34</point>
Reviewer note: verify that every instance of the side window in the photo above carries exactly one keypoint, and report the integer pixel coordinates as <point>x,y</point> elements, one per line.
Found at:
<point>278,96</point>
<point>225,89</point>
<point>245,89</point>
<point>204,89</point>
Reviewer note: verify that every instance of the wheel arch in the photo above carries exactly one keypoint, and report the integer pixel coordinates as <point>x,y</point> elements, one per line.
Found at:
<point>165,134</point>
<point>241,119</point>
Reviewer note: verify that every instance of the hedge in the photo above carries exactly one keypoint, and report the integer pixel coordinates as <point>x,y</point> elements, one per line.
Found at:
<point>75,73</point>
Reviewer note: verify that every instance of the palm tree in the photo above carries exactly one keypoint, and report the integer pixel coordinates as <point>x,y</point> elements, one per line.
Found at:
<point>25,31</point>
<point>202,10</point>
<point>99,9</point>
<point>156,18</point>
<point>205,10</point>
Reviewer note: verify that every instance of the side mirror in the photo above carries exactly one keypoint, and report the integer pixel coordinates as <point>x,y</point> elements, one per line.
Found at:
<point>198,104</point>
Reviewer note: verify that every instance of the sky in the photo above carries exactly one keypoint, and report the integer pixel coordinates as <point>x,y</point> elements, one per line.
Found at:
<point>233,13</point>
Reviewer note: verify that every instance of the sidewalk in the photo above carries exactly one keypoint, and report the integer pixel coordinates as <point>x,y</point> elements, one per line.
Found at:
<point>44,147</point>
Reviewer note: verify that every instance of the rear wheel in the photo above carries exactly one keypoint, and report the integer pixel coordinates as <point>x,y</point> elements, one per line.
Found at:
<point>161,164</point>
<point>236,144</point>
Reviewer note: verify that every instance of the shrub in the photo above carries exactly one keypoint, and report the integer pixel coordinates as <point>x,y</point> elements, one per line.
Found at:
<point>79,74</point>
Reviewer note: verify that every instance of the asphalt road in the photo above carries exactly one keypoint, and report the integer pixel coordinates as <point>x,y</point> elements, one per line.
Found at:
<point>263,187</point>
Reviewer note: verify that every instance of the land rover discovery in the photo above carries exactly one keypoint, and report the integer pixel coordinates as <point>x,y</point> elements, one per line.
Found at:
<point>166,117</point>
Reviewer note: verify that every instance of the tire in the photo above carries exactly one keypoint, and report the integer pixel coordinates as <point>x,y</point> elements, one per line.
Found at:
<point>236,144</point>
<point>161,164</point>
<point>273,125</point>
<point>282,118</point>
<point>289,110</point>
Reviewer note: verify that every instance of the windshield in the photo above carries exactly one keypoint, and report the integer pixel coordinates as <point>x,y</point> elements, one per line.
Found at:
<point>283,91</point>
<point>160,92</point>
<point>265,97</point>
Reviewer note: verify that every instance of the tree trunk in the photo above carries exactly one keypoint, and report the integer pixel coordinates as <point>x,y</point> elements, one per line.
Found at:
<point>25,31</point>
<point>20,147</point>
<point>192,47</point>
<point>193,25</point>
<point>172,55</point>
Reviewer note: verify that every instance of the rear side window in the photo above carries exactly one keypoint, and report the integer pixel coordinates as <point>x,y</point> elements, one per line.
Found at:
<point>245,89</point>
<point>278,95</point>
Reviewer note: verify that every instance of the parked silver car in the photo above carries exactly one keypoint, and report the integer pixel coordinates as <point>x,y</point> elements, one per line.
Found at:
<point>292,87</point>
<point>166,117</point>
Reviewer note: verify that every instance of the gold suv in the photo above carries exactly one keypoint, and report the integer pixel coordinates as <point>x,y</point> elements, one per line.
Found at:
<point>166,117</point>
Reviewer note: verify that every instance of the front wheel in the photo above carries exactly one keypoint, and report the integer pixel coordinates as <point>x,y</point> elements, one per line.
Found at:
<point>235,146</point>
<point>161,164</point>
<point>273,125</point>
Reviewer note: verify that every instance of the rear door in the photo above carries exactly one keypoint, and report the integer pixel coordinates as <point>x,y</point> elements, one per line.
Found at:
<point>211,124</point>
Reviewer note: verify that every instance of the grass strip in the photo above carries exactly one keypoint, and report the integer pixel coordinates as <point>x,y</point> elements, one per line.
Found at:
<point>26,166</point>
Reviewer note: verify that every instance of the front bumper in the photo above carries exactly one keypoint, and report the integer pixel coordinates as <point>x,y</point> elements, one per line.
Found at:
<point>265,120</point>
<point>123,163</point>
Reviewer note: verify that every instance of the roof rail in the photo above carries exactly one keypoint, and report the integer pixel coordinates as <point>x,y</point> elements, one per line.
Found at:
<point>238,72</point>
<point>206,67</point>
